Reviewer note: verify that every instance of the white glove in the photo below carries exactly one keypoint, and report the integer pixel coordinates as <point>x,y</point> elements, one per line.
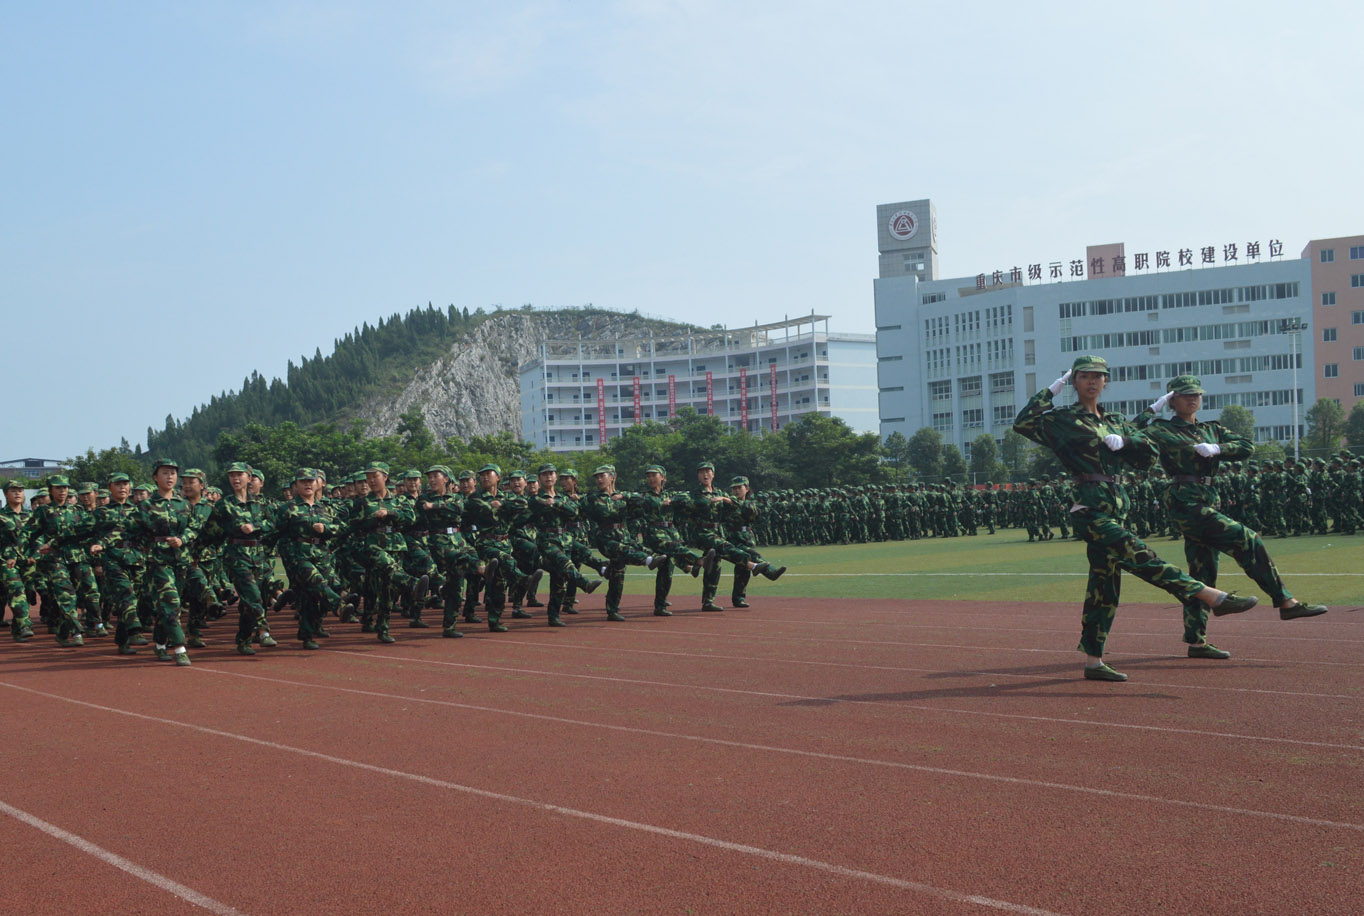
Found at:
<point>1208,449</point>
<point>1160,403</point>
<point>1114,442</point>
<point>1056,386</point>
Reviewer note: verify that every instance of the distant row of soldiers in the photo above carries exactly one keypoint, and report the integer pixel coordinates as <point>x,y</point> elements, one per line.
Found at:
<point>108,562</point>
<point>1311,496</point>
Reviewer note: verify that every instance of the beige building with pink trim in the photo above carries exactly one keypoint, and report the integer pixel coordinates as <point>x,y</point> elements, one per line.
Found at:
<point>1338,317</point>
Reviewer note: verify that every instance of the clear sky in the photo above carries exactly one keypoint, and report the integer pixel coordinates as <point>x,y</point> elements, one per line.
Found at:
<point>194,190</point>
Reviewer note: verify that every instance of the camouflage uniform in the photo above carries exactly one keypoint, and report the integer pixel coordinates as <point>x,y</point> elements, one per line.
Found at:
<point>12,560</point>
<point>1076,437</point>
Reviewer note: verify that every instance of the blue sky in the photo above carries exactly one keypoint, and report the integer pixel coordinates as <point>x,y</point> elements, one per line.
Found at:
<point>197,190</point>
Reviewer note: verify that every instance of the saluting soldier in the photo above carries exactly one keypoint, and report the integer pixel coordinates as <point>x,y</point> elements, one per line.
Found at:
<point>1190,452</point>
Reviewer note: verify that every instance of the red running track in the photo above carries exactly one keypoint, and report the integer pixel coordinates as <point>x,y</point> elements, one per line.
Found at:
<point>800,757</point>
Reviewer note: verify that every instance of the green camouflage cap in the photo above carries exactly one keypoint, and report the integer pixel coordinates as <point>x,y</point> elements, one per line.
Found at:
<point>515,474</point>
<point>411,474</point>
<point>239,467</point>
<point>739,482</point>
<point>304,474</point>
<point>491,467</point>
<point>120,477</point>
<point>192,472</point>
<point>546,469</point>
<point>15,484</point>
<point>1089,364</point>
<point>143,486</point>
<point>165,463</point>
<point>702,465</point>
<point>320,474</point>
<point>440,469</point>
<point>256,474</point>
<point>605,469</point>
<point>1185,384</point>
<point>656,469</point>
<point>379,466</point>
<point>58,480</point>
<point>467,475</point>
<point>87,486</point>
<point>569,472</point>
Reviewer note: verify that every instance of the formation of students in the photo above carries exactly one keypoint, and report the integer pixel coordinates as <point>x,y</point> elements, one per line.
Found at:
<point>173,555</point>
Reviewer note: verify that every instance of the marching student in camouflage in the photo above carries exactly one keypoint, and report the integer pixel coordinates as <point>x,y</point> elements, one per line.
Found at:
<point>551,516</point>
<point>738,517</point>
<point>124,567</point>
<point>165,527</point>
<point>1190,452</point>
<point>579,538</point>
<point>200,599</point>
<point>521,529</point>
<point>375,525</point>
<point>655,511</point>
<point>610,513</point>
<point>13,560</point>
<point>51,531</point>
<point>416,559</point>
<point>83,575</point>
<point>703,507</point>
<point>1093,446</point>
<point>239,523</point>
<point>300,529</point>
<point>485,521</point>
<point>466,486</point>
<point>440,511</point>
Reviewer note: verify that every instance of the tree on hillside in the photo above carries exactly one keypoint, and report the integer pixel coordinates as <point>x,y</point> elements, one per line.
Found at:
<point>1239,420</point>
<point>925,453</point>
<point>1325,425</point>
<point>97,466</point>
<point>412,427</point>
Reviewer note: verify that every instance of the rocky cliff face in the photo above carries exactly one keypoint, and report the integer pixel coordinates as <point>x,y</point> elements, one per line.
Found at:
<point>475,389</point>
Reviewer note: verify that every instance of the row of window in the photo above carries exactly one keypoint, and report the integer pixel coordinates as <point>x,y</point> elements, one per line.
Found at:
<point>1179,300</point>
<point>1329,254</point>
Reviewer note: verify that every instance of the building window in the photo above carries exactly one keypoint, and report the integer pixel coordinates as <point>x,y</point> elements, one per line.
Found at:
<point>1356,281</point>
<point>970,419</point>
<point>970,387</point>
<point>1328,335</point>
<point>930,298</point>
<point>1358,353</point>
<point>1330,370</point>
<point>942,422</point>
<point>1001,382</point>
<point>1328,298</point>
<point>1359,389</point>
<point>1356,252</point>
<point>1328,255</point>
<point>1004,414</point>
<point>940,391</point>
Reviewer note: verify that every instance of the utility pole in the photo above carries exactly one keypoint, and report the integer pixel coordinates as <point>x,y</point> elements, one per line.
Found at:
<point>1294,326</point>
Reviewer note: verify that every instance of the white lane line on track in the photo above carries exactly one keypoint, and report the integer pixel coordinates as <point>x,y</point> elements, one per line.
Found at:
<point>700,656</point>
<point>941,893</point>
<point>951,711</point>
<point>160,881</point>
<point>819,755</point>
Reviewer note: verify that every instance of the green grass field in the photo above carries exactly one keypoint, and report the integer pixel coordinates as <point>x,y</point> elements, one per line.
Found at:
<point>1005,567</point>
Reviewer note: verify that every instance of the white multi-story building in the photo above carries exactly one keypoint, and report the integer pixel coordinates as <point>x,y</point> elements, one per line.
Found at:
<point>963,355</point>
<point>578,394</point>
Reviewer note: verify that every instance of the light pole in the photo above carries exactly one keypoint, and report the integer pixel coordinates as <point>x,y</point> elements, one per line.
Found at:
<point>1294,326</point>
